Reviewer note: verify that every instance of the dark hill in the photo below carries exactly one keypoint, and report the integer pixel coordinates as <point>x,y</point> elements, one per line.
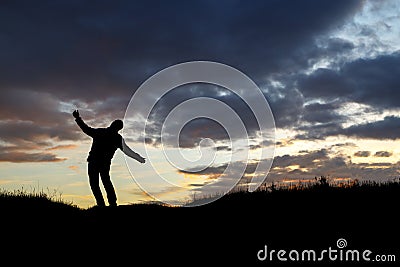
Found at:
<point>228,231</point>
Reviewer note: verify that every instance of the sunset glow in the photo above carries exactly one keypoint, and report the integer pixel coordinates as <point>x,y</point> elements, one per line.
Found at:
<point>332,82</point>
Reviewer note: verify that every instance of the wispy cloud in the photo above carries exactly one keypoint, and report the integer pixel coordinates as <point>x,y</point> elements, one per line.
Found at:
<point>20,157</point>
<point>362,154</point>
<point>74,168</point>
<point>61,147</point>
<point>383,154</point>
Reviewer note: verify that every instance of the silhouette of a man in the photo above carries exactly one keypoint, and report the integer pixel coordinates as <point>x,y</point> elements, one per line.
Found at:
<point>105,142</point>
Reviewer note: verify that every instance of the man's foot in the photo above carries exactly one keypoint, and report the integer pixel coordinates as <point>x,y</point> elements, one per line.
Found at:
<point>113,204</point>
<point>97,208</point>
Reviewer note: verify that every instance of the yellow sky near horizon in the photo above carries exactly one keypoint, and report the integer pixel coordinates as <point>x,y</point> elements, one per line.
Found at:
<point>69,177</point>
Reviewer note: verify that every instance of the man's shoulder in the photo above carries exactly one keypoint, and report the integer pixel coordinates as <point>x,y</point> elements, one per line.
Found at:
<point>99,132</point>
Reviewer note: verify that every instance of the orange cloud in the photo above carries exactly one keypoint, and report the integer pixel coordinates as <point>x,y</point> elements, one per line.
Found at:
<point>59,147</point>
<point>73,167</point>
<point>19,157</point>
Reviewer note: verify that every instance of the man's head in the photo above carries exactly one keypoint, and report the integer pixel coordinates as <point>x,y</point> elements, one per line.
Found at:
<point>116,125</point>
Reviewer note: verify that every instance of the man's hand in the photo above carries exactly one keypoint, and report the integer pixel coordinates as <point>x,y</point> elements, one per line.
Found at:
<point>75,114</point>
<point>142,160</point>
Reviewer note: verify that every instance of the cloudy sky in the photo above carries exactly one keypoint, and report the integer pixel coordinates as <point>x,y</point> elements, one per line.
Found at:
<point>330,71</point>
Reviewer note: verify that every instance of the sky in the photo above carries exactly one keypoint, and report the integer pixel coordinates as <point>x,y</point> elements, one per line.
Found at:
<point>329,70</point>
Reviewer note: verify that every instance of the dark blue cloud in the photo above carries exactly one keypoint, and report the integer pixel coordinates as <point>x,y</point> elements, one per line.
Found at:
<point>362,154</point>
<point>374,82</point>
<point>386,129</point>
<point>98,52</point>
<point>66,47</point>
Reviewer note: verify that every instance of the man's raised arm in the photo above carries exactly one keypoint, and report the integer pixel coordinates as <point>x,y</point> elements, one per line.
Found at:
<point>130,153</point>
<point>85,128</point>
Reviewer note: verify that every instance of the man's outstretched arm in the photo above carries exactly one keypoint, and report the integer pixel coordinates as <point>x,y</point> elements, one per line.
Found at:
<point>130,153</point>
<point>85,128</point>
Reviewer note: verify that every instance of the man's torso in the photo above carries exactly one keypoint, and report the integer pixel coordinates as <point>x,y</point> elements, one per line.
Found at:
<point>105,143</point>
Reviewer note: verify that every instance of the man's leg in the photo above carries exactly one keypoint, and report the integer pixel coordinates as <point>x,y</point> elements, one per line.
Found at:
<point>108,186</point>
<point>93,172</point>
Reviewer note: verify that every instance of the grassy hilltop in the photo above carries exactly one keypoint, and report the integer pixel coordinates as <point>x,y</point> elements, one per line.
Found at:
<point>229,230</point>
